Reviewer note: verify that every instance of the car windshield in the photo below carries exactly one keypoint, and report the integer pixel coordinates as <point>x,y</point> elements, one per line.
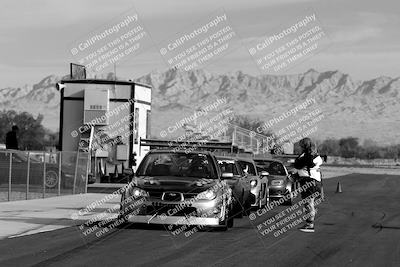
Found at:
<point>177,164</point>
<point>272,167</point>
<point>248,167</point>
<point>228,166</point>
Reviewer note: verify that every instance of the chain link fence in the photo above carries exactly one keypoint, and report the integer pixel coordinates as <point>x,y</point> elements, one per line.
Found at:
<point>31,174</point>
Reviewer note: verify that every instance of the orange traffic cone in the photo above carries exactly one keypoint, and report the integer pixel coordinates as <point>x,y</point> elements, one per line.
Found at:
<point>339,188</point>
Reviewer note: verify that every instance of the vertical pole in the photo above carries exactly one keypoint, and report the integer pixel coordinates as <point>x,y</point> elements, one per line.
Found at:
<point>76,172</point>
<point>89,163</point>
<point>59,174</point>
<point>257,146</point>
<point>140,148</point>
<point>44,174</point>
<point>95,166</point>
<point>234,135</point>
<point>27,175</point>
<point>9,177</point>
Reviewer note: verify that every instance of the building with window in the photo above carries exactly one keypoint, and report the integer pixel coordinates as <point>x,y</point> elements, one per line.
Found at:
<point>106,117</point>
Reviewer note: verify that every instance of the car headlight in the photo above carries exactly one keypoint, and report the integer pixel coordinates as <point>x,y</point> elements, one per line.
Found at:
<point>253,183</point>
<point>137,192</point>
<point>207,195</point>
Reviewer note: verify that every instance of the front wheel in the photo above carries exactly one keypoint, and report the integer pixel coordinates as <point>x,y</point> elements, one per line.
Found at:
<point>228,220</point>
<point>51,178</point>
<point>289,197</point>
<point>122,217</point>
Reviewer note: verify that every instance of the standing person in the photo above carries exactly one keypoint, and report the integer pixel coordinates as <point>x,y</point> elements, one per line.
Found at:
<point>307,165</point>
<point>11,138</point>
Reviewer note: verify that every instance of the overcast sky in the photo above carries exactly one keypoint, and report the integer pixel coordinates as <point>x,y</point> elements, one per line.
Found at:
<point>36,35</point>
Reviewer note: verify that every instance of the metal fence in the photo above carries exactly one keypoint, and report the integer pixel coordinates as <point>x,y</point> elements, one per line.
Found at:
<point>32,174</point>
<point>249,141</point>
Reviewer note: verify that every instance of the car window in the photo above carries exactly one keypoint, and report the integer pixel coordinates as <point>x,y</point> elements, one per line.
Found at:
<point>177,164</point>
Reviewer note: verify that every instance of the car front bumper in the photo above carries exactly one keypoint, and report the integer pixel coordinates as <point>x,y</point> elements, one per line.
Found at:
<point>173,220</point>
<point>154,211</point>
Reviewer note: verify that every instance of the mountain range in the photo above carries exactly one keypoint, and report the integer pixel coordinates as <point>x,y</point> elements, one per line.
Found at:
<point>363,109</point>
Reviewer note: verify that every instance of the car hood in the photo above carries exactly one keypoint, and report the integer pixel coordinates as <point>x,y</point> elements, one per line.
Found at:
<point>173,183</point>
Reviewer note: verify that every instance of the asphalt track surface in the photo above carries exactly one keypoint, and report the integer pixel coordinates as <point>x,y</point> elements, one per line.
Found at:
<point>359,227</point>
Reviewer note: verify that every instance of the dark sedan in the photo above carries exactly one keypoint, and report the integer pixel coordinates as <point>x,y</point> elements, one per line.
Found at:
<point>19,170</point>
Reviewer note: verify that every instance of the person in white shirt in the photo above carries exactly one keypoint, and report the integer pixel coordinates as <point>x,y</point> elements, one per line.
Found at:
<point>308,170</point>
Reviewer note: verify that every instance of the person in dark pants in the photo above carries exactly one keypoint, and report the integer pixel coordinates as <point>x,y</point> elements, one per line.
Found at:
<point>11,138</point>
<point>308,170</point>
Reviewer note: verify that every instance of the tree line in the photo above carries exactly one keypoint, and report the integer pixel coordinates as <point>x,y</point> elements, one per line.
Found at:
<point>32,134</point>
<point>348,147</point>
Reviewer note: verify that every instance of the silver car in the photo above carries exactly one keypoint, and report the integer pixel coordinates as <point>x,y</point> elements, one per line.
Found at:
<point>280,181</point>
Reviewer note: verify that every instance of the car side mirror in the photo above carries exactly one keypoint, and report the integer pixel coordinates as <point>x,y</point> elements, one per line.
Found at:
<point>227,175</point>
<point>264,173</point>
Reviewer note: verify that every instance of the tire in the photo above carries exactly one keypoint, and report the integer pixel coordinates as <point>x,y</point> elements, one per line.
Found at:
<point>259,204</point>
<point>123,222</point>
<point>224,227</point>
<point>237,208</point>
<point>262,197</point>
<point>230,218</point>
<point>289,202</point>
<point>267,199</point>
<point>247,207</point>
<point>121,216</point>
<point>227,222</point>
<point>51,178</point>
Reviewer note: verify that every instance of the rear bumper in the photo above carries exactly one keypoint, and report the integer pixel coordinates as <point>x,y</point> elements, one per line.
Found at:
<point>175,220</point>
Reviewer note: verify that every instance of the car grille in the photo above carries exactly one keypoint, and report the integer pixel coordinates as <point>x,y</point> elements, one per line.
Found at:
<point>170,209</point>
<point>172,196</point>
<point>157,194</point>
